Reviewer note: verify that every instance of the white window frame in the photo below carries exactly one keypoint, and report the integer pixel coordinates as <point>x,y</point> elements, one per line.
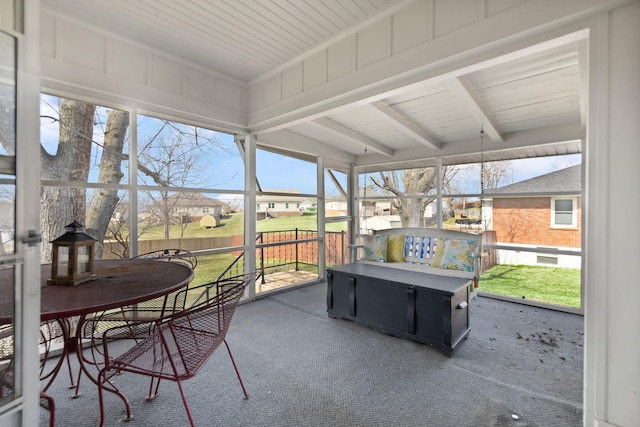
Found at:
<point>574,212</point>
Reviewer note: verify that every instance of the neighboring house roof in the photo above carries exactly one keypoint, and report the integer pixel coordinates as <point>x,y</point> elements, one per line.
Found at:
<point>372,192</point>
<point>295,197</point>
<point>568,180</point>
<point>187,200</point>
<point>263,199</point>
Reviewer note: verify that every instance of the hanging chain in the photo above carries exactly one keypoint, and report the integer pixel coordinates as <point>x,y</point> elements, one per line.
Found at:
<point>482,177</point>
<point>365,172</point>
<point>364,194</point>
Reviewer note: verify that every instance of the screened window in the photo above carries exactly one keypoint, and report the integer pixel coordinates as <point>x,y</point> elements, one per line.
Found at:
<point>563,212</point>
<point>379,205</point>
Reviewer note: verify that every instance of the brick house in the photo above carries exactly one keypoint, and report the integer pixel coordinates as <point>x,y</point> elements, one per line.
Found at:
<point>552,220</point>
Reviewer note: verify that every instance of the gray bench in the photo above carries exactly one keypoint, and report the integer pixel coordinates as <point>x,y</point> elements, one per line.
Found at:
<point>413,283</point>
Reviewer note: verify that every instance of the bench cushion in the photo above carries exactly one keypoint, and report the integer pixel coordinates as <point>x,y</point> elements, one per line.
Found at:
<point>428,250</point>
<point>458,254</point>
<point>375,248</point>
<point>437,256</point>
<point>395,248</point>
<point>417,249</point>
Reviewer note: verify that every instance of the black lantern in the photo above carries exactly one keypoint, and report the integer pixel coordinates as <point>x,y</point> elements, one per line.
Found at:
<point>72,261</point>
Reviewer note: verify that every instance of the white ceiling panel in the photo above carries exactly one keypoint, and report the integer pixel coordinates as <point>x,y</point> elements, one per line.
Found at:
<point>539,88</point>
<point>241,38</point>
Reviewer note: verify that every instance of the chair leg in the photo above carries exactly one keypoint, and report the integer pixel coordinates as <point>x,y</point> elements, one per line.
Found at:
<point>244,390</point>
<point>186,405</point>
<point>51,407</point>
<point>153,393</point>
<point>102,379</point>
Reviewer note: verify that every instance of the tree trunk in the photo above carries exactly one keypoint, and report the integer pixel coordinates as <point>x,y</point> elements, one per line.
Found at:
<point>104,201</point>
<point>63,205</point>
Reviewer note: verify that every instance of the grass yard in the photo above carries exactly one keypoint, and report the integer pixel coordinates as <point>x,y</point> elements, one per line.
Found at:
<point>234,225</point>
<point>307,221</point>
<point>548,284</point>
<point>230,225</point>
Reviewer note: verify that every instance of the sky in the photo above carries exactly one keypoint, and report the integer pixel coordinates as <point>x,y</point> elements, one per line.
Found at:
<point>218,165</point>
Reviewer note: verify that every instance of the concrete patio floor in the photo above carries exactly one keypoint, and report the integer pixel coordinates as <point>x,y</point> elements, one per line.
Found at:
<point>302,368</point>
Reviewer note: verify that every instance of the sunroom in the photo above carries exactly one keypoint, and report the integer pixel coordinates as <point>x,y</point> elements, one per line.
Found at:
<point>273,134</point>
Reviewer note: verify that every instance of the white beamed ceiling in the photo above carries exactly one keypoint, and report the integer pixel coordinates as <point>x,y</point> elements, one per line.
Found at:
<point>529,105</point>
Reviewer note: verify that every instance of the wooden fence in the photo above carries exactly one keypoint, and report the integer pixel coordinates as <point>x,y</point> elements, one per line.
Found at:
<point>336,245</point>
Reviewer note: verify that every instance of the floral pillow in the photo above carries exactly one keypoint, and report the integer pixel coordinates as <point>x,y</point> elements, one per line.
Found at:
<point>395,248</point>
<point>458,254</point>
<point>375,248</point>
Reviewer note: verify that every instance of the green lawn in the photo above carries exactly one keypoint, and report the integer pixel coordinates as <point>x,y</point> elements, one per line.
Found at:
<point>234,225</point>
<point>548,284</point>
<point>230,225</point>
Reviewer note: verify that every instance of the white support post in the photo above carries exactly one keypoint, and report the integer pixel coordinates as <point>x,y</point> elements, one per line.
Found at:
<point>320,201</point>
<point>250,209</point>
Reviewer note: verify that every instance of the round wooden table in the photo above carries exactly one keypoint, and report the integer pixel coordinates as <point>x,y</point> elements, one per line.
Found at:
<point>117,283</point>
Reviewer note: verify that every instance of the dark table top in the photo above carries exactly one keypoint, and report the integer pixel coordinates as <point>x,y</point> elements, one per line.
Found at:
<point>117,283</point>
<point>444,284</point>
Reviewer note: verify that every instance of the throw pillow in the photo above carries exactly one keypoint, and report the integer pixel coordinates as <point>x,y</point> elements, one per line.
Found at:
<point>437,255</point>
<point>458,254</point>
<point>395,248</point>
<point>415,246</point>
<point>375,248</point>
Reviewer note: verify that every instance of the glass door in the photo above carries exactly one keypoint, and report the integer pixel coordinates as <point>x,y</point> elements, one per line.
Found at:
<point>19,231</point>
<point>9,267</point>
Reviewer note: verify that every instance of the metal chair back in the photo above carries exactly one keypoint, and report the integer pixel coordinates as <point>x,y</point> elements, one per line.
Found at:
<point>177,345</point>
<point>177,255</point>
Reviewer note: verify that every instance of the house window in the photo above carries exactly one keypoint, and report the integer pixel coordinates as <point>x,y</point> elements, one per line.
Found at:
<point>547,259</point>
<point>563,213</point>
<point>271,205</point>
<point>258,205</point>
<point>286,205</point>
<point>205,210</point>
<point>297,205</point>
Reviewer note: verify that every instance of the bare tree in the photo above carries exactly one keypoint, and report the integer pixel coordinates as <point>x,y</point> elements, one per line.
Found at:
<point>71,162</point>
<point>118,229</point>
<point>494,173</point>
<point>104,200</point>
<point>408,184</point>
<point>167,158</point>
<point>170,157</point>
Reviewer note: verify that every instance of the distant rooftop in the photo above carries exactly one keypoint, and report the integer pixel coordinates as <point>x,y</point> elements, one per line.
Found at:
<point>561,181</point>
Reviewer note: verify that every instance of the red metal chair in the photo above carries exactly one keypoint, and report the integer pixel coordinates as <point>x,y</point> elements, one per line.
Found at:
<point>49,331</point>
<point>154,308</point>
<point>176,346</point>
<point>177,255</point>
<point>168,255</point>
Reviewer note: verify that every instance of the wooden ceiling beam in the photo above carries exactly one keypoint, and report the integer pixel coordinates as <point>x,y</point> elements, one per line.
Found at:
<point>464,92</point>
<point>404,125</point>
<point>353,135</point>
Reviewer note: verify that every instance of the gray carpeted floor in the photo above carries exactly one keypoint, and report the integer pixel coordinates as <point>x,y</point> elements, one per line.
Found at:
<point>303,369</point>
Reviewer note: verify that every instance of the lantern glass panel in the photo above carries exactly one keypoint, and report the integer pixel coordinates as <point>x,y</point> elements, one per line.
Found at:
<point>63,260</point>
<point>83,259</point>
